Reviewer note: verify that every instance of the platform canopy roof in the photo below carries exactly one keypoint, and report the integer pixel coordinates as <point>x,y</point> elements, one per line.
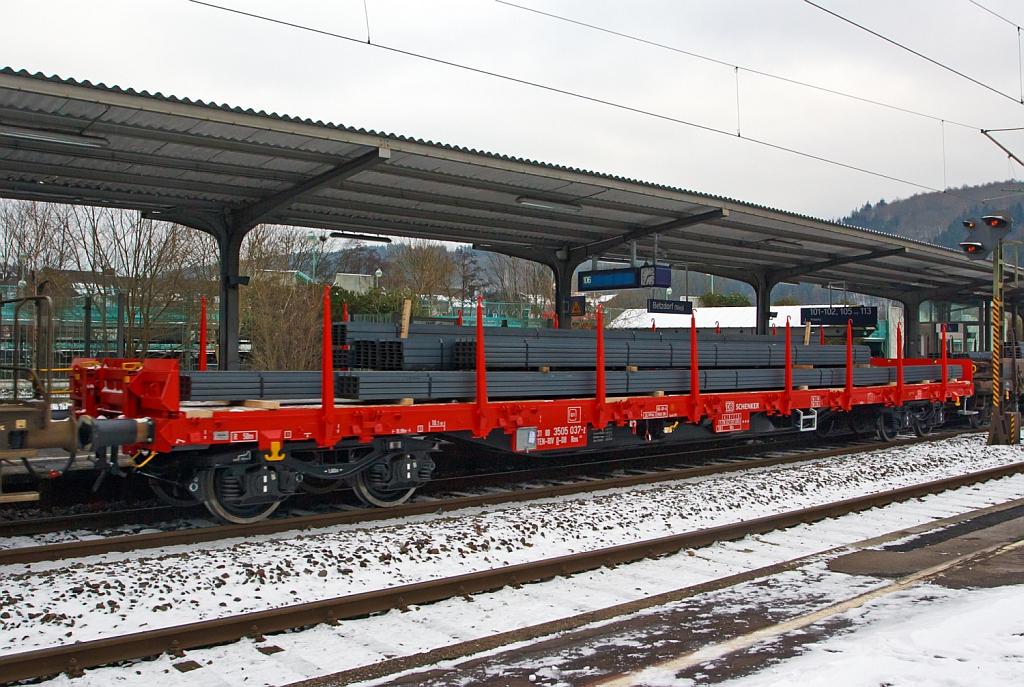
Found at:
<point>216,168</point>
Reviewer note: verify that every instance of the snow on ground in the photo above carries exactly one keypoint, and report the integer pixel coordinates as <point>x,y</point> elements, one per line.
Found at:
<point>327,649</point>
<point>53,603</point>
<point>926,635</point>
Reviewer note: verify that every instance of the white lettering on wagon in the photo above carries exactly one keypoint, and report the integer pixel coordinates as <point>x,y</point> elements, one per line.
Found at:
<point>732,422</point>
<point>569,435</point>
<point>245,435</point>
<point>659,412</point>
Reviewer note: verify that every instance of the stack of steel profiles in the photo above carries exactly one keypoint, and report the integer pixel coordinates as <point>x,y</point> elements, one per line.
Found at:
<point>415,353</point>
<point>378,346</point>
<point>428,352</point>
<point>506,352</point>
<point>243,385</point>
<point>285,385</point>
<point>227,385</point>
<point>340,357</point>
<point>454,385</point>
<point>346,332</point>
<point>374,346</point>
<point>449,385</point>
<point>362,354</point>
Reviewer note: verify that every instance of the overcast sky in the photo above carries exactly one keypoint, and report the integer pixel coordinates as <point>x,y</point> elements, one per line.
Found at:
<point>188,50</point>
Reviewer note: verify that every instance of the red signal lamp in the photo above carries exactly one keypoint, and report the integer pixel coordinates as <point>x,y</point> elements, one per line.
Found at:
<point>974,249</point>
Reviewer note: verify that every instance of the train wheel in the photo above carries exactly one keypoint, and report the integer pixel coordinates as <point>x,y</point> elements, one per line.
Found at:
<point>372,496</point>
<point>219,486</point>
<point>922,428</point>
<point>886,428</point>
<point>826,428</point>
<point>173,493</point>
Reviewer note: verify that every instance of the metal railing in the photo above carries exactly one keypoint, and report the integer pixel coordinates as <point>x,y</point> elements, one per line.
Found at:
<point>26,370</point>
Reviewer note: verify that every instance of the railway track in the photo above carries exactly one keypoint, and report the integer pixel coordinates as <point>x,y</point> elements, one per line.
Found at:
<point>73,659</point>
<point>441,487</point>
<point>179,537</point>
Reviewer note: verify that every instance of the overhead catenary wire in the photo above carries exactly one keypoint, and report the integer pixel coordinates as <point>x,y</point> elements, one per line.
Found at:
<point>994,13</point>
<point>915,52</point>
<point>572,94</point>
<point>736,67</point>
<point>1020,55</point>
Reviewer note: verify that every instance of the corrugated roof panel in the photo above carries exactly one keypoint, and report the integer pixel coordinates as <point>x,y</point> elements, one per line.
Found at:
<point>180,151</point>
<point>158,121</point>
<point>208,154</point>
<point>335,148</point>
<point>225,132</point>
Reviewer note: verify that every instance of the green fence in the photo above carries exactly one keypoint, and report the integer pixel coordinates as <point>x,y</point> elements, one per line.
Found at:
<point>171,331</point>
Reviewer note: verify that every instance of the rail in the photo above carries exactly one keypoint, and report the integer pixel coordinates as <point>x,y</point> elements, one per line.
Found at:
<point>137,542</point>
<point>74,658</point>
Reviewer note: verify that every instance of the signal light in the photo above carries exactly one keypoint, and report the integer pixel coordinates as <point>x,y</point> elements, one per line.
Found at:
<point>972,247</point>
<point>983,236</point>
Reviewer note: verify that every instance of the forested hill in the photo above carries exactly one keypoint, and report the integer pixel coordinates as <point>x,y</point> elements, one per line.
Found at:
<point>937,217</point>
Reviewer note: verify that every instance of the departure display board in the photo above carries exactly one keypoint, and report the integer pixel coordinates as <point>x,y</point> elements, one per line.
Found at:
<point>624,278</point>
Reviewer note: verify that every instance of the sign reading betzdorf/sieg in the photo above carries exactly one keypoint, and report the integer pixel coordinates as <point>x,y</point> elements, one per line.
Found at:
<point>862,315</point>
<point>656,305</point>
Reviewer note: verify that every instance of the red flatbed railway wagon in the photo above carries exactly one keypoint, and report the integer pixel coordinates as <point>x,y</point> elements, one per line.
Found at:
<point>243,460</point>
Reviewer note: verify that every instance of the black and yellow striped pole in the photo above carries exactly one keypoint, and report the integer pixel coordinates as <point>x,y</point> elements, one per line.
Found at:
<point>985,237</point>
<point>997,432</point>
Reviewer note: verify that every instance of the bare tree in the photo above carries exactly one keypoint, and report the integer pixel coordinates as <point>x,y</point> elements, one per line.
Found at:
<point>424,267</point>
<point>283,322</point>
<point>152,264</point>
<point>516,280</point>
<point>469,275</point>
<point>353,258</point>
<point>36,237</point>
<point>280,312</point>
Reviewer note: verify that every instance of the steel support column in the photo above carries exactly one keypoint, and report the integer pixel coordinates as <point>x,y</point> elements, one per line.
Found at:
<point>763,285</point>
<point>229,244</point>
<point>563,271</point>
<point>230,228</point>
<point>912,321</point>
